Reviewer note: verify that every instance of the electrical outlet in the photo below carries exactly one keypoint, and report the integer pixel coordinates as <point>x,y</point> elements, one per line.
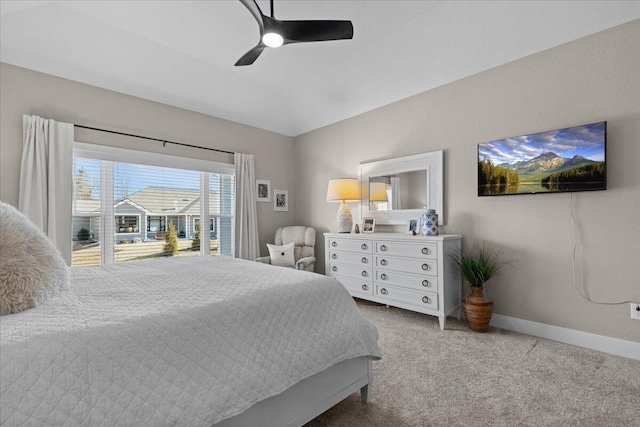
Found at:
<point>635,310</point>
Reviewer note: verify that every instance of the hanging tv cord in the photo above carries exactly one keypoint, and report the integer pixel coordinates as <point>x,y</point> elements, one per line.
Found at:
<point>575,230</point>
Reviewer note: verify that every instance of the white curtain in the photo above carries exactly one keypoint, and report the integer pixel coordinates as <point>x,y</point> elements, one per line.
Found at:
<point>45,179</point>
<point>247,240</point>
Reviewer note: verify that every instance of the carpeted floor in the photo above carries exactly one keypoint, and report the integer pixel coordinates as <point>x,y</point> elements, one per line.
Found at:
<point>457,377</point>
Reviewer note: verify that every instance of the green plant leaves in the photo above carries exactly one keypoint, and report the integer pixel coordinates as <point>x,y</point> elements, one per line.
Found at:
<point>480,265</point>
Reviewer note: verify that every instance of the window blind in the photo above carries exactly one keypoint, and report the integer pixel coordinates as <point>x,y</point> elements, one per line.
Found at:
<point>125,211</point>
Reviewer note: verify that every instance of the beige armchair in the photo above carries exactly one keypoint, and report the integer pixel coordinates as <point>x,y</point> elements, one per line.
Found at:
<point>304,240</point>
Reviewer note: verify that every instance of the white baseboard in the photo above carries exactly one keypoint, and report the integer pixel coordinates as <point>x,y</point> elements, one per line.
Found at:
<point>602,343</point>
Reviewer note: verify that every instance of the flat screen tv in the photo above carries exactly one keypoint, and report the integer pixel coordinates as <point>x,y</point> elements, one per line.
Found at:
<point>570,159</point>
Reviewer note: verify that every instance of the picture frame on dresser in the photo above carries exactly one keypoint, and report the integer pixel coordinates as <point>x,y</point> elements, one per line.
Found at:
<point>413,226</point>
<point>368,225</point>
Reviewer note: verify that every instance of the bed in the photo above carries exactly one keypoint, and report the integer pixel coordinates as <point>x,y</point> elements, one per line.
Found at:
<point>185,341</point>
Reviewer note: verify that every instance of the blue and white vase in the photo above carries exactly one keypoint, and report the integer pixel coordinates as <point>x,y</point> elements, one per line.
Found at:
<point>430,223</point>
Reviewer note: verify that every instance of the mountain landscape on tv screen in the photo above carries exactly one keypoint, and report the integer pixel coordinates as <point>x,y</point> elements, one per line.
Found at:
<point>513,165</point>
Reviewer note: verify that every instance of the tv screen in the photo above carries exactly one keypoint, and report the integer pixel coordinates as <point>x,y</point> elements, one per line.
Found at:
<point>570,159</point>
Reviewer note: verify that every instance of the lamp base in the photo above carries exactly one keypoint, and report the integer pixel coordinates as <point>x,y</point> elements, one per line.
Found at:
<point>344,219</point>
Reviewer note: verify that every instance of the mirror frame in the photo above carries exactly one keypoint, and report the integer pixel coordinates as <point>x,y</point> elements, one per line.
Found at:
<point>432,162</point>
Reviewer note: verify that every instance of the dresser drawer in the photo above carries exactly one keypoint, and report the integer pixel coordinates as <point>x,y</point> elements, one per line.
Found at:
<point>350,258</point>
<point>413,281</point>
<point>420,299</point>
<point>350,271</point>
<point>404,249</point>
<point>357,287</point>
<point>351,245</point>
<point>408,265</point>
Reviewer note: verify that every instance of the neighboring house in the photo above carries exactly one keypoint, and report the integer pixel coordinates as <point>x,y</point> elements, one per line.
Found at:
<point>86,214</point>
<point>146,214</point>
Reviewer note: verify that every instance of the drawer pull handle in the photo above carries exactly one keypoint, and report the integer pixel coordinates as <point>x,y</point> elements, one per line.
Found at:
<point>425,266</point>
<point>334,244</point>
<point>364,246</point>
<point>364,274</point>
<point>383,262</point>
<point>426,300</point>
<point>425,251</point>
<point>334,268</point>
<point>334,256</point>
<point>426,283</point>
<point>383,276</point>
<point>364,260</point>
<point>383,248</point>
<point>365,287</point>
<point>383,291</point>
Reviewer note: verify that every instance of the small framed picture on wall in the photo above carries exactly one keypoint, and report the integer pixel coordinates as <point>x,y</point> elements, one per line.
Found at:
<point>368,224</point>
<point>280,200</point>
<point>263,190</point>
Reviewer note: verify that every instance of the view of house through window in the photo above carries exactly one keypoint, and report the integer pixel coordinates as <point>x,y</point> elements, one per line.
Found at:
<point>155,211</point>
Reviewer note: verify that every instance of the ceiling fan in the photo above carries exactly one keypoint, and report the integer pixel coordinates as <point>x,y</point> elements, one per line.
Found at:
<point>275,33</point>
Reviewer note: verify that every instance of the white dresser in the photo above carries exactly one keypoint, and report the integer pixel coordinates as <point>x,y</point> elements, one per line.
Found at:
<point>411,272</point>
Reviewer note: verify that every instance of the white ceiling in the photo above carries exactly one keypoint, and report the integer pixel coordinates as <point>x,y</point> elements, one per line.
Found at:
<point>182,52</point>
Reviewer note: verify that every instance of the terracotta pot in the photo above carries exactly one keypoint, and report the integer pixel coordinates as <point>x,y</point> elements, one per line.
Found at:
<point>477,309</point>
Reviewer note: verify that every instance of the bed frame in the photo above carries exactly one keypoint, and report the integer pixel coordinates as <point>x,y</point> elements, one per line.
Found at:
<point>310,397</point>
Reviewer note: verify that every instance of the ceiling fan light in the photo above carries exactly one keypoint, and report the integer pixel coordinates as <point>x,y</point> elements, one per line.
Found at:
<point>272,39</point>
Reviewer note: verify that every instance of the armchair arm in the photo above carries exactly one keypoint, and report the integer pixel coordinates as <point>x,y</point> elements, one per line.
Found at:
<point>306,263</point>
<point>264,259</point>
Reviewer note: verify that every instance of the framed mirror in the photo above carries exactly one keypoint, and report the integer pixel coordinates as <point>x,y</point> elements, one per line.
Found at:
<point>396,190</point>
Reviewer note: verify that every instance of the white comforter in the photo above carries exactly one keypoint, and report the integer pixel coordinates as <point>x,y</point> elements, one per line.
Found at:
<point>180,341</point>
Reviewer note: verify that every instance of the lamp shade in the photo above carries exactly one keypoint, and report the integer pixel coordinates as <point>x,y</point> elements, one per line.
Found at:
<point>343,190</point>
<point>377,192</point>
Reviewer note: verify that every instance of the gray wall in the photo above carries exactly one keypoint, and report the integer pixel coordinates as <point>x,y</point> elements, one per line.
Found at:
<point>592,79</point>
<point>24,91</point>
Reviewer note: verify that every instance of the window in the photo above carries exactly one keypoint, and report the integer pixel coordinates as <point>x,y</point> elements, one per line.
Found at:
<point>148,196</point>
<point>212,224</point>
<point>156,223</point>
<point>86,221</point>
<point>127,223</point>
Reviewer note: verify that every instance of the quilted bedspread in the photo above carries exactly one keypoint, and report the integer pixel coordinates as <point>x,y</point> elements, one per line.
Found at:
<point>180,341</point>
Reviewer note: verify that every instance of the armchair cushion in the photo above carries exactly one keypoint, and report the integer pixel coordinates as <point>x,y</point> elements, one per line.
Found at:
<point>264,259</point>
<point>282,255</point>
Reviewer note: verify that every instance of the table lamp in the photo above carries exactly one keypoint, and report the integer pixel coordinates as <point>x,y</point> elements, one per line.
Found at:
<point>343,190</point>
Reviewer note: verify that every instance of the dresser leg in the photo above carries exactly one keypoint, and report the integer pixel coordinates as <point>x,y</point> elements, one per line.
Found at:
<point>442,319</point>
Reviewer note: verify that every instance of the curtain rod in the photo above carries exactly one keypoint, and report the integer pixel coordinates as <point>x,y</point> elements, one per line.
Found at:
<point>164,141</point>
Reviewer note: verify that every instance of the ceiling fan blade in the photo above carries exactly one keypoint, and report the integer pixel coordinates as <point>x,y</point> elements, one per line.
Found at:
<point>250,57</point>
<point>255,11</point>
<point>310,31</point>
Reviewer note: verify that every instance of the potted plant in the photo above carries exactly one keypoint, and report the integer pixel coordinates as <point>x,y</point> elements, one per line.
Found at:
<point>482,263</point>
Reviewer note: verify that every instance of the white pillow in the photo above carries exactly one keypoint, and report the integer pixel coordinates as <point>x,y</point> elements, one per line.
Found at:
<point>282,255</point>
<point>32,269</point>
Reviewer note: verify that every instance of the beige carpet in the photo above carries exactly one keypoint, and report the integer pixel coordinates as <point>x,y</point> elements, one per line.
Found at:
<point>457,377</point>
